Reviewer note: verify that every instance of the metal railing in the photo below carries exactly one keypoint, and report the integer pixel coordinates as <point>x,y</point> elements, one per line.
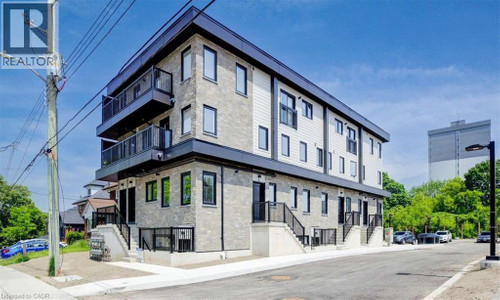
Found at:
<point>278,212</point>
<point>375,220</point>
<point>351,218</point>
<point>112,215</point>
<point>152,137</point>
<point>154,78</point>
<point>324,237</point>
<point>173,239</point>
<point>288,115</point>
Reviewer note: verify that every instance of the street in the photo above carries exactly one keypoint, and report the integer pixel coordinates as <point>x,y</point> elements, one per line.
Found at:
<point>400,275</point>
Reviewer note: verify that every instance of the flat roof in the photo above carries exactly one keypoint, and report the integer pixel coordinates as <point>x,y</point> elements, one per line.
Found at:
<point>205,25</point>
<point>460,127</point>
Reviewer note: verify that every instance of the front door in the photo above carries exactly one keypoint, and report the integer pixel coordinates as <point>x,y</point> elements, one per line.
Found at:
<point>123,204</point>
<point>131,205</point>
<point>341,210</point>
<point>259,198</point>
<point>365,213</point>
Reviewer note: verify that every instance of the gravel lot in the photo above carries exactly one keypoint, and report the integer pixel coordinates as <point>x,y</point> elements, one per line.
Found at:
<point>76,264</point>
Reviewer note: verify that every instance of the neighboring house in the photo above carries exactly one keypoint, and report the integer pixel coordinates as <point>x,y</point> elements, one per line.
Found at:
<point>91,206</point>
<point>218,146</point>
<point>447,155</point>
<point>95,189</point>
<point>70,220</point>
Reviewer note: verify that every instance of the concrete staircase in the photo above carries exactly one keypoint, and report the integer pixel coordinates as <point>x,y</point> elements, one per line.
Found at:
<point>134,238</point>
<point>363,235</point>
<point>340,237</point>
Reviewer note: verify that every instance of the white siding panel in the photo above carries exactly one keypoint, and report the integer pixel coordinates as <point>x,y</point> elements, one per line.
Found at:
<point>261,109</point>
<point>338,147</point>
<point>371,161</point>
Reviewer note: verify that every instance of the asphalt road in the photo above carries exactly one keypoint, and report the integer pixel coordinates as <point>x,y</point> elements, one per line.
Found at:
<point>396,275</point>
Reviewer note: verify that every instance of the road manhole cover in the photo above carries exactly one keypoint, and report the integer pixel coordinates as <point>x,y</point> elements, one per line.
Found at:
<point>280,277</point>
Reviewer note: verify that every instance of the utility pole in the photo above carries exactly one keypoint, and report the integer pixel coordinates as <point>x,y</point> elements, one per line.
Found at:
<point>52,153</point>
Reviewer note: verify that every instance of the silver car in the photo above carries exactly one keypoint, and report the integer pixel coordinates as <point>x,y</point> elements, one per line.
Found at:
<point>444,236</point>
<point>484,237</point>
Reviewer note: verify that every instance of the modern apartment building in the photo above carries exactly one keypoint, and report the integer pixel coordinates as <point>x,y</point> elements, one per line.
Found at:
<point>447,156</point>
<point>217,146</point>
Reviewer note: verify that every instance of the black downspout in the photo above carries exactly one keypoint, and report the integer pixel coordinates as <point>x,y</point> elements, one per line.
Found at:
<point>222,207</point>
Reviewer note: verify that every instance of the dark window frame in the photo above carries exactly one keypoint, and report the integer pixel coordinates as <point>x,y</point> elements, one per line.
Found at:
<point>215,119</point>
<point>284,136</point>
<point>351,141</point>
<point>188,173</point>
<point>337,123</point>
<point>294,204</point>
<point>182,119</point>
<point>372,145</point>
<point>324,208</point>
<point>305,151</point>
<point>330,161</point>
<point>274,192</point>
<point>214,175</point>
<point>341,165</point>
<point>183,78</point>
<point>379,150</point>
<point>236,77</point>
<point>307,108</point>
<point>163,191</point>
<point>355,168</point>
<point>154,195</point>
<point>285,109</point>
<point>206,48</point>
<point>308,201</point>
<point>267,138</point>
<point>319,157</point>
<point>379,178</point>
<point>364,172</point>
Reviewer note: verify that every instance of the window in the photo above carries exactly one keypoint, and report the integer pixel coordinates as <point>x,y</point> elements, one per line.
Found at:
<point>360,203</point>
<point>364,172</point>
<point>379,150</point>
<point>379,208</point>
<point>186,64</point>
<point>165,192</point>
<point>186,119</point>
<point>151,191</point>
<point>306,201</point>
<point>371,146</point>
<point>263,139</point>
<point>319,157</point>
<point>241,79</point>
<point>288,114</point>
<point>354,169</point>
<point>341,165</point>
<point>339,126</point>
<point>272,192</point>
<point>347,204</point>
<point>303,152</point>
<point>293,197</point>
<point>351,140</point>
<point>209,63</point>
<point>285,145</point>
<point>324,203</point>
<point>330,163</point>
<point>209,180</point>
<point>307,109</point>
<point>186,188</point>
<point>209,120</point>
<point>379,178</point>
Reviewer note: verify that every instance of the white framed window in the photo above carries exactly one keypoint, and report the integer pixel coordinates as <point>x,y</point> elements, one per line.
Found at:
<point>186,63</point>
<point>209,63</point>
<point>209,120</point>
<point>186,119</point>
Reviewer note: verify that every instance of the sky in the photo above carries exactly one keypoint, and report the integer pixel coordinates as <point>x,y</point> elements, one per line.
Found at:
<point>408,66</point>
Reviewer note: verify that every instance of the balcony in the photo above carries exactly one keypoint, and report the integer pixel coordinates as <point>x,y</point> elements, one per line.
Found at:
<point>352,145</point>
<point>144,99</point>
<point>135,152</point>
<point>288,116</point>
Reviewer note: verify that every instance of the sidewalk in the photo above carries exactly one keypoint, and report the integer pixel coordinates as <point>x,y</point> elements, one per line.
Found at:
<point>17,285</point>
<point>169,276</point>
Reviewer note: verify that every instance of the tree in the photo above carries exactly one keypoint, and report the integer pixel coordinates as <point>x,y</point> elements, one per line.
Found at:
<point>398,193</point>
<point>478,179</point>
<point>25,222</point>
<point>11,197</point>
<point>429,189</point>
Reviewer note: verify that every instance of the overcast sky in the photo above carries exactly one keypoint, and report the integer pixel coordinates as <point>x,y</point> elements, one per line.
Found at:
<point>407,66</point>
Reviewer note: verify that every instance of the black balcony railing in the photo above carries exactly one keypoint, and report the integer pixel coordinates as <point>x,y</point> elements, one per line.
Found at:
<point>351,218</point>
<point>112,215</point>
<point>375,221</point>
<point>152,137</point>
<point>288,116</point>
<point>173,239</point>
<point>278,212</point>
<point>154,78</point>
<point>324,237</point>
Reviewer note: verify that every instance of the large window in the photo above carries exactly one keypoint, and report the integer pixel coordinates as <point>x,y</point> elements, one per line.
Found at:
<point>285,145</point>
<point>354,169</point>
<point>186,188</point>
<point>151,191</point>
<point>209,120</point>
<point>307,109</point>
<point>186,119</point>
<point>339,126</point>
<point>303,152</point>
<point>272,192</point>
<point>241,79</point>
<point>209,63</point>
<point>341,165</point>
<point>379,150</point>
<point>186,64</point>
<point>165,192</point>
<point>288,115</point>
<point>306,201</point>
<point>293,197</point>
<point>263,138</point>
<point>351,140</point>
<point>371,146</point>
<point>209,186</point>
<point>324,203</point>
<point>319,157</point>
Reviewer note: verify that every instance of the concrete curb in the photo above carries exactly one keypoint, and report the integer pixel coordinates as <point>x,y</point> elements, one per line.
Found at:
<point>174,276</point>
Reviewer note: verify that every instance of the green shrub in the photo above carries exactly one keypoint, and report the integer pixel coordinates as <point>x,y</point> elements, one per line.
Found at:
<point>52,267</point>
<point>74,236</point>
<point>21,259</point>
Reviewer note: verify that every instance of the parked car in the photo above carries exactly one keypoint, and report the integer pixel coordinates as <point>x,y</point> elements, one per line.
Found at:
<point>403,237</point>
<point>33,245</point>
<point>484,237</point>
<point>428,238</point>
<point>444,236</point>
